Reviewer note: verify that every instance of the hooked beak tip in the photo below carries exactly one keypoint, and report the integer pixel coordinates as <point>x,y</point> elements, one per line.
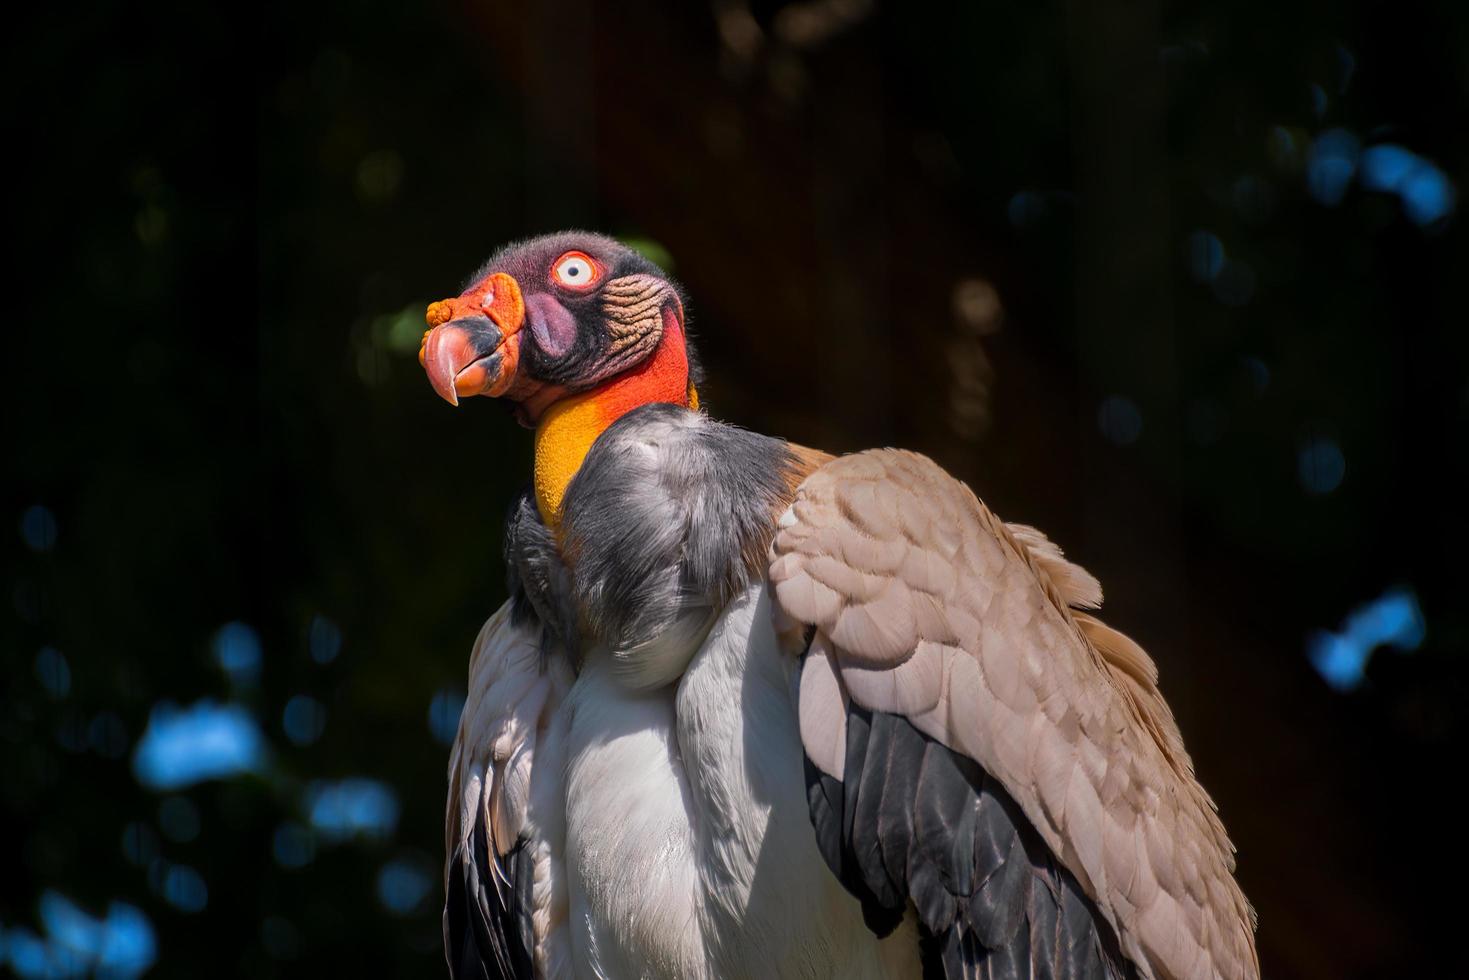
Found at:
<point>445,350</point>
<point>461,361</point>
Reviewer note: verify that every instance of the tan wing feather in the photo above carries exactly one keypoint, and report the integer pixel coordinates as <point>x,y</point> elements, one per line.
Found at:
<point>1078,587</point>
<point>928,605</point>
<point>506,762</point>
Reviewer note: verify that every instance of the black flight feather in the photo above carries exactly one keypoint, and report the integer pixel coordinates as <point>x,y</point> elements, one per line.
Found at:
<point>916,825</point>
<point>487,916</point>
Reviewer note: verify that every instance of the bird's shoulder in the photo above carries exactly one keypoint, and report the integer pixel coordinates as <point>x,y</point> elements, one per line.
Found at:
<point>671,509</point>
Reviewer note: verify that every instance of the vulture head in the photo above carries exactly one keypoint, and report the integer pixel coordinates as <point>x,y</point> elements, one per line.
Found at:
<point>555,317</point>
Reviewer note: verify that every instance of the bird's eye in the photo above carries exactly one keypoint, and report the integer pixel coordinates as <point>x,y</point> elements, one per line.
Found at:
<point>575,269</point>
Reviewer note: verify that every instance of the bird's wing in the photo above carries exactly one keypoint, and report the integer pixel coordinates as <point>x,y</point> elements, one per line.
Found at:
<point>506,907</point>
<point>979,748</point>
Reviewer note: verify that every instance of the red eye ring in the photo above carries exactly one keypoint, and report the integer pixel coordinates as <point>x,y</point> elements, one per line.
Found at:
<point>575,270</point>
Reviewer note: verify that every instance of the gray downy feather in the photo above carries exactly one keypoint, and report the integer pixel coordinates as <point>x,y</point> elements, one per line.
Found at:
<point>669,516</point>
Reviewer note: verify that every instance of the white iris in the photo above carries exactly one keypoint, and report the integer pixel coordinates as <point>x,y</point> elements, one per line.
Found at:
<point>575,271</point>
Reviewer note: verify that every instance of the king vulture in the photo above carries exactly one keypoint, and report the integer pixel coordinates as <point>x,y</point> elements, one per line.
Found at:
<point>755,711</point>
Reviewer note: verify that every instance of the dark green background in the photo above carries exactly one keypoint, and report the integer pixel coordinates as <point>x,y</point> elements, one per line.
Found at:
<point>224,228</point>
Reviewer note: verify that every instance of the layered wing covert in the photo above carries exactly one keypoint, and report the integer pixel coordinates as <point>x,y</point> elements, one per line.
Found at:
<point>922,605</point>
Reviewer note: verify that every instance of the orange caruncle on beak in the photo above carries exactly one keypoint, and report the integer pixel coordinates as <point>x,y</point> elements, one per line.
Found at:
<point>472,346</point>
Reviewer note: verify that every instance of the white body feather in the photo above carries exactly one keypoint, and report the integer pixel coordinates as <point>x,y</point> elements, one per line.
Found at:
<point>689,848</point>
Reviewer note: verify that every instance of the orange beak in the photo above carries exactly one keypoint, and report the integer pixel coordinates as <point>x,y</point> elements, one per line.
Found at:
<point>472,346</point>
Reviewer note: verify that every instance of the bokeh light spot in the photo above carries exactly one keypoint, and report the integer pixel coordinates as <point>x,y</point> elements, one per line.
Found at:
<point>181,747</point>
<point>1384,166</point>
<point>401,332</point>
<point>151,225</point>
<point>53,672</point>
<point>651,250</point>
<point>1318,100</point>
<point>1332,163</point>
<point>1259,374</point>
<point>977,306</point>
<point>1394,620</point>
<point>402,886</point>
<point>1426,193</point>
<point>237,651</point>
<point>122,945</point>
<point>185,889</point>
<point>38,528</point>
<point>303,719</point>
<point>351,808</point>
<point>443,714</point>
<point>324,639</point>
<point>1321,465</point>
<point>1205,255</point>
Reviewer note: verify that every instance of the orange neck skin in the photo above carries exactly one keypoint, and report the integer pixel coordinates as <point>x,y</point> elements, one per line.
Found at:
<point>565,433</point>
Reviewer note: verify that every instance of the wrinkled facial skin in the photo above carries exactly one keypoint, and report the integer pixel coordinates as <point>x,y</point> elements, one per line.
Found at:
<point>526,328</point>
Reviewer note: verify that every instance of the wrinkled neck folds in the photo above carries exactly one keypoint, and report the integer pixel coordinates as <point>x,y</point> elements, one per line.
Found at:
<point>569,427</point>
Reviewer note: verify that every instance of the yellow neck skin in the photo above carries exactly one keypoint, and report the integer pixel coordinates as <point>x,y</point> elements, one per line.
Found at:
<point>566,432</point>
<point>563,439</point>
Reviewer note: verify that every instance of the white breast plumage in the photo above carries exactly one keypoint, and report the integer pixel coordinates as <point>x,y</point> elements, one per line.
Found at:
<point>689,851</point>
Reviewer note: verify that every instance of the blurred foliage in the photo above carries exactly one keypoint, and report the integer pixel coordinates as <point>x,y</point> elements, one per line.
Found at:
<point>250,549</point>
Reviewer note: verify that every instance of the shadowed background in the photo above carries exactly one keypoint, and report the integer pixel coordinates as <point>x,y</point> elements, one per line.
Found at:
<point>1181,284</point>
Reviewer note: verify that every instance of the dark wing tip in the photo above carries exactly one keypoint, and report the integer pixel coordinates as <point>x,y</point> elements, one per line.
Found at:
<point>916,825</point>
<point>487,912</point>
